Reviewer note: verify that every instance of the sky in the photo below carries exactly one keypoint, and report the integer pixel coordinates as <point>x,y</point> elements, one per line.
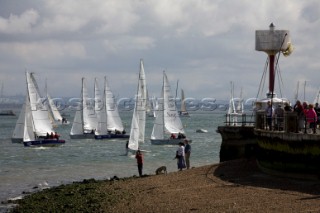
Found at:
<point>203,44</point>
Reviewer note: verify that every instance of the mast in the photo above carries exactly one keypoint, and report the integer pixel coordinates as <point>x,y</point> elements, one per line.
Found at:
<point>1,92</point>
<point>82,104</point>
<point>304,91</point>
<point>163,103</point>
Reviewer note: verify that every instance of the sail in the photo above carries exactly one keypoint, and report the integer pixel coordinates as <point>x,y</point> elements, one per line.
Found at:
<point>113,118</point>
<point>39,111</point>
<point>183,103</point>
<point>149,106</point>
<point>153,106</point>
<point>172,120</point>
<point>18,131</point>
<point>100,109</point>
<point>77,126</point>
<point>139,114</point>
<point>142,102</point>
<point>28,127</point>
<point>134,132</point>
<point>56,114</point>
<point>88,114</point>
<point>158,125</point>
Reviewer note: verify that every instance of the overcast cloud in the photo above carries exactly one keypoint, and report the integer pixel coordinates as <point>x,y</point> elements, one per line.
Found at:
<point>204,44</point>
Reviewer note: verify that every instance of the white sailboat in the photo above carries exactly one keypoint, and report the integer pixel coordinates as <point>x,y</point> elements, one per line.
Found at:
<point>85,120</point>
<point>150,110</point>
<point>317,98</point>
<point>36,128</point>
<point>55,112</point>
<point>236,108</point>
<point>183,111</point>
<point>167,119</point>
<point>139,113</point>
<point>109,121</point>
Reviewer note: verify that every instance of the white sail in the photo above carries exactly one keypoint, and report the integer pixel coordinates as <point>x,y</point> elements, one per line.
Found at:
<point>158,125</point>
<point>40,114</point>
<point>134,132</point>
<point>150,111</point>
<point>88,114</point>
<point>183,103</point>
<point>113,118</point>
<point>172,121</point>
<point>77,126</point>
<point>18,131</point>
<point>55,112</point>
<point>28,131</point>
<point>153,106</point>
<point>139,113</point>
<point>100,108</point>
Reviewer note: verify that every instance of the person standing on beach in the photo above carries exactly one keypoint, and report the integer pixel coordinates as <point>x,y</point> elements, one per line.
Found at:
<point>127,147</point>
<point>187,152</point>
<point>180,157</point>
<point>139,158</point>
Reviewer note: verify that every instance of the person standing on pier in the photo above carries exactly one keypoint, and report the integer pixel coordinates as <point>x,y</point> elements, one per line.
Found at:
<point>269,113</point>
<point>298,108</point>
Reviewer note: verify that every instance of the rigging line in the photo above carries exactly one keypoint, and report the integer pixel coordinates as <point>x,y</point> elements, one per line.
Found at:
<point>261,85</point>
<point>175,99</point>
<point>261,80</point>
<point>277,62</point>
<point>280,82</point>
<point>281,79</point>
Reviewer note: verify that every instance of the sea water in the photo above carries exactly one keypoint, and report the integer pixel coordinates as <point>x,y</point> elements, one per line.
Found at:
<point>25,169</point>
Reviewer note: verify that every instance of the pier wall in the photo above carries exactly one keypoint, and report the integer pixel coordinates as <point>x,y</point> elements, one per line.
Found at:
<point>237,142</point>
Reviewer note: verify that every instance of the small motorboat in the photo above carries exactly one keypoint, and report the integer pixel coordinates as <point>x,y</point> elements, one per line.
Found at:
<point>201,131</point>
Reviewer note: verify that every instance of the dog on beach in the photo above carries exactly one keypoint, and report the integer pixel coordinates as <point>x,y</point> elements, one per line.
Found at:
<point>161,169</point>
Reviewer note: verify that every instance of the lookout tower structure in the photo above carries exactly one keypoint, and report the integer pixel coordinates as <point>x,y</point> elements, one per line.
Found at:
<point>272,42</point>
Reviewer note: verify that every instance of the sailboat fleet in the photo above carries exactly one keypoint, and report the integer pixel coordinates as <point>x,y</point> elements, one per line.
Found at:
<point>99,118</point>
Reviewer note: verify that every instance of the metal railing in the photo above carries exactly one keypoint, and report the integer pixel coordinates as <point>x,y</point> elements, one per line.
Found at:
<point>239,120</point>
<point>290,122</point>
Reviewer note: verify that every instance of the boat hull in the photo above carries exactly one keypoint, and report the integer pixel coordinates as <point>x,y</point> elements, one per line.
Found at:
<point>44,142</point>
<point>111,136</point>
<point>82,136</point>
<point>7,113</point>
<point>168,141</point>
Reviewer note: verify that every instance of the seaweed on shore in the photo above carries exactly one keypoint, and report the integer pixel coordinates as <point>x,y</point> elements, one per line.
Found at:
<point>82,196</point>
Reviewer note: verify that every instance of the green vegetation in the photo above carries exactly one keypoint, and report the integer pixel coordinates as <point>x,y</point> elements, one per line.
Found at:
<point>86,196</point>
<point>302,148</point>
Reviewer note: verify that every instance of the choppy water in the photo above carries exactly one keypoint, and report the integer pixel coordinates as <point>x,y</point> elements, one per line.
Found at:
<point>23,168</point>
